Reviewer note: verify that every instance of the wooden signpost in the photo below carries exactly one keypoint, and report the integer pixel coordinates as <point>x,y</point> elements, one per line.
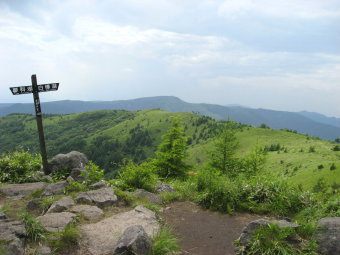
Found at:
<point>35,89</point>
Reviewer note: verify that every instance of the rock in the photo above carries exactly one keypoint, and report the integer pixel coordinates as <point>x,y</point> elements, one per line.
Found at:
<point>102,237</point>
<point>66,162</point>
<point>328,235</point>
<point>12,236</point>
<point>248,231</point>
<point>70,180</point>
<point>153,198</point>
<point>89,211</point>
<point>47,178</point>
<point>43,250</point>
<point>78,174</point>
<point>33,205</point>
<point>56,222</point>
<point>55,188</point>
<point>61,205</point>
<point>163,187</point>
<point>38,176</point>
<point>3,216</point>
<point>134,241</point>
<point>101,197</point>
<point>20,191</point>
<point>98,185</point>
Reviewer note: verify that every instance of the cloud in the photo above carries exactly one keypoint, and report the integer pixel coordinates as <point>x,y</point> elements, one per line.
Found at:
<point>302,9</point>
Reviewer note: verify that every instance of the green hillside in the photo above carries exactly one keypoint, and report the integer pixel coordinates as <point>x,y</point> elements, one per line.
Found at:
<point>107,137</point>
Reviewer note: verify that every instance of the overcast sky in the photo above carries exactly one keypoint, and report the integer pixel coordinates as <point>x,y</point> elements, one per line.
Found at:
<point>282,54</point>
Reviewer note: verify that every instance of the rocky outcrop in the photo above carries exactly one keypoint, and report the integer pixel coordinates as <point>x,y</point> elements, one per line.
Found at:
<point>101,197</point>
<point>134,241</point>
<point>20,191</point>
<point>102,237</point>
<point>151,197</point>
<point>61,205</point>
<point>12,236</point>
<point>56,222</point>
<point>328,236</point>
<point>55,188</point>
<point>67,162</point>
<point>90,212</point>
<point>163,187</point>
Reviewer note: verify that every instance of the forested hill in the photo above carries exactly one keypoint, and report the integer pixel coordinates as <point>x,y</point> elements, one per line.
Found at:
<point>314,125</point>
<point>107,137</point>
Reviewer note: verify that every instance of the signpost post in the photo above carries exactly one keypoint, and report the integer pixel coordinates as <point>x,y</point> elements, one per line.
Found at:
<point>35,89</point>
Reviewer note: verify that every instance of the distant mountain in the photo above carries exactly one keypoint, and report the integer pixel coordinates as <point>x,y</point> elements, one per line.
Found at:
<point>275,119</point>
<point>321,118</point>
<point>4,105</point>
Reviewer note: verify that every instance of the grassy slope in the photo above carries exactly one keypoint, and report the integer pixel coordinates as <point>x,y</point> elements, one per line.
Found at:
<point>78,131</point>
<point>300,167</point>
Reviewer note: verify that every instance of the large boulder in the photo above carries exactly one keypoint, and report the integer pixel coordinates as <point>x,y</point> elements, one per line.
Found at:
<point>20,191</point>
<point>61,205</point>
<point>101,197</point>
<point>102,237</point>
<point>56,222</point>
<point>134,241</point>
<point>66,162</point>
<point>88,211</point>
<point>328,236</point>
<point>151,197</point>
<point>55,188</point>
<point>12,236</point>
<point>249,230</point>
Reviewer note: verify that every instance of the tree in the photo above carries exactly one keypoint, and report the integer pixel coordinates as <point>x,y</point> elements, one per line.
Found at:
<point>222,157</point>
<point>337,140</point>
<point>255,161</point>
<point>172,152</point>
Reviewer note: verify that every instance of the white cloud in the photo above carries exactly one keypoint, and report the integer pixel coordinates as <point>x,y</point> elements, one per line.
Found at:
<point>305,9</point>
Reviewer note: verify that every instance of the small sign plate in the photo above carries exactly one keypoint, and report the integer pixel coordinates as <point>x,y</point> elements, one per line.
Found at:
<point>29,89</point>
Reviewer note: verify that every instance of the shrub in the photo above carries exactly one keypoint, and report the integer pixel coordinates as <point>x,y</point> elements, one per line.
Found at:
<point>332,167</point>
<point>67,238</point>
<point>138,176</point>
<point>35,231</point>
<point>93,173</point>
<point>165,243</point>
<point>19,166</point>
<point>336,148</point>
<point>311,149</point>
<point>320,166</point>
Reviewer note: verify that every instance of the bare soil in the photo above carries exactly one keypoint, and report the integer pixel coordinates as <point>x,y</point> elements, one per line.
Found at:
<point>203,232</point>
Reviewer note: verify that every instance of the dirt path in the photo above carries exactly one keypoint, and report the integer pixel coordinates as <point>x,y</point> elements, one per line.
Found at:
<point>203,232</point>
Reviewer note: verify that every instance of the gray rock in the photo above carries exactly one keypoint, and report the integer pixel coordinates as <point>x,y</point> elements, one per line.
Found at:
<point>70,179</point>
<point>43,250</point>
<point>248,231</point>
<point>153,198</point>
<point>20,191</point>
<point>89,211</point>
<point>102,237</point>
<point>55,188</point>
<point>56,222</point>
<point>12,235</point>
<point>98,185</point>
<point>33,205</point>
<point>2,216</point>
<point>38,176</point>
<point>163,187</point>
<point>101,197</point>
<point>66,162</point>
<point>78,174</point>
<point>134,241</point>
<point>61,205</point>
<point>328,236</point>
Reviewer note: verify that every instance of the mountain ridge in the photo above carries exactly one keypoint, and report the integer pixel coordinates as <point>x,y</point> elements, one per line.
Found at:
<point>303,122</point>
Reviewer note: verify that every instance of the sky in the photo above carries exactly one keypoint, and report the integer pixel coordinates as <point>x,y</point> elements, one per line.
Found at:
<point>281,55</point>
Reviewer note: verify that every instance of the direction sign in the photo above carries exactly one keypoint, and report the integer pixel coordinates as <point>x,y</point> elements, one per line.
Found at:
<point>29,89</point>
